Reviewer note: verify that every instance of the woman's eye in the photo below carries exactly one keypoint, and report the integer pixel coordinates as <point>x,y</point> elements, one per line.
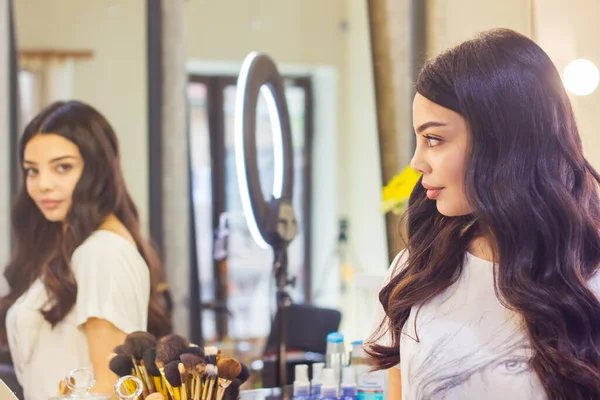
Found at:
<point>432,141</point>
<point>30,171</point>
<point>64,167</point>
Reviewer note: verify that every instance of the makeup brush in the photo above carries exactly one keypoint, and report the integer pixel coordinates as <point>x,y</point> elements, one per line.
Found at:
<point>173,378</point>
<point>209,381</point>
<point>136,343</point>
<point>172,373</point>
<point>150,364</point>
<point>148,380</point>
<point>119,349</point>
<point>213,384</point>
<point>199,351</point>
<point>121,365</point>
<point>155,396</point>
<point>244,374</point>
<point>190,361</point>
<point>228,370</point>
<point>210,357</point>
<point>200,372</point>
<point>210,354</point>
<point>233,391</point>
<point>182,377</point>
<point>167,349</point>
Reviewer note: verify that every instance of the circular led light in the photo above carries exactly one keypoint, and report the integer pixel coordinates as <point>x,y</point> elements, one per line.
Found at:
<point>581,77</point>
<point>259,75</point>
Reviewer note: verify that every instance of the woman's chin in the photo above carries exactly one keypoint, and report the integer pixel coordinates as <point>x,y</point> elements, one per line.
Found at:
<point>54,215</point>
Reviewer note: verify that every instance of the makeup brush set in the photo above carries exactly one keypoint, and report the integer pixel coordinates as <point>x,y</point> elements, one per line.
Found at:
<point>171,368</point>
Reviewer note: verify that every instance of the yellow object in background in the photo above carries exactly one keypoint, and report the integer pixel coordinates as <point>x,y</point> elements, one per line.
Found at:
<point>396,193</point>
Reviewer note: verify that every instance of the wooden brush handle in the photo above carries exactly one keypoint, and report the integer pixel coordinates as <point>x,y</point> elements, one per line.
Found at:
<point>220,392</point>
<point>210,389</point>
<point>160,387</point>
<point>177,393</point>
<point>184,395</point>
<point>198,388</point>
<point>147,380</point>
<point>167,384</point>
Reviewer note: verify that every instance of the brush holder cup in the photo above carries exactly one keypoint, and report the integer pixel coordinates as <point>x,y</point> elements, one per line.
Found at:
<point>80,381</point>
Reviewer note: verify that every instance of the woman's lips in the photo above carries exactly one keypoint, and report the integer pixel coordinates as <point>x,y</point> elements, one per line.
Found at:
<point>50,204</point>
<point>432,191</point>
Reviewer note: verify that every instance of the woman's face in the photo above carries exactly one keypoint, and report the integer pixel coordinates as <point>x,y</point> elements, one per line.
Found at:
<point>440,155</point>
<point>53,166</point>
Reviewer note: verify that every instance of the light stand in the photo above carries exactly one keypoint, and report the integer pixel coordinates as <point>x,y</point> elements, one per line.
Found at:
<point>271,222</point>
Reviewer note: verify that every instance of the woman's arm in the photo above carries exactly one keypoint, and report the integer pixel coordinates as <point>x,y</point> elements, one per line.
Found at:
<point>394,384</point>
<point>102,338</point>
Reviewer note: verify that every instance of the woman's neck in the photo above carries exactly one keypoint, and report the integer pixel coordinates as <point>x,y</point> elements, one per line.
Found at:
<point>481,247</point>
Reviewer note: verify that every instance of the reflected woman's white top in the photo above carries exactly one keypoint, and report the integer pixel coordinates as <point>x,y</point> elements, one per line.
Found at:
<point>113,283</point>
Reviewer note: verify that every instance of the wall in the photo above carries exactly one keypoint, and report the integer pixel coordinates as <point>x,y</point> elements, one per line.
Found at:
<point>114,81</point>
<point>453,21</point>
<point>568,31</point>
<point>292,31</point>
<point>565,30</point>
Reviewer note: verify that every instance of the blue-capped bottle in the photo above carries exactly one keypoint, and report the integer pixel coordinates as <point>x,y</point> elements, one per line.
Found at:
<point>301,383</point>
<point>336,356</point>
<point>317,380</point>
<point>329,388</point>
<point>348,384</point>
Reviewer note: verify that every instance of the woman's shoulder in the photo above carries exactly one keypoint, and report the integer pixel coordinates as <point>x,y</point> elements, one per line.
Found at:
<point>101,239</point>
<point>107,247</point>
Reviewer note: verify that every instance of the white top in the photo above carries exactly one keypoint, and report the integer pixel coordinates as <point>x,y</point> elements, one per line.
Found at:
<point>470,346</point>
<point>113,283</point>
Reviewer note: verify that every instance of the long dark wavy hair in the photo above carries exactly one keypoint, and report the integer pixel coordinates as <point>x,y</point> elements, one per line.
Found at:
<point>44,248</point>
<point>533,194</point>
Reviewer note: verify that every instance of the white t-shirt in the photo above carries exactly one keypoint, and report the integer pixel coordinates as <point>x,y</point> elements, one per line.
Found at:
<point>113,283</point>
<point>470,346</point>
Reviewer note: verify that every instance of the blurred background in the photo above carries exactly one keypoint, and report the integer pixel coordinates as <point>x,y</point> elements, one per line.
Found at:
<point>164,73</point>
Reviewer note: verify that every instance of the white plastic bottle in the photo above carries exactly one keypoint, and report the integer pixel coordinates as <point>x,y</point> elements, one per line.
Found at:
<point>329,388</point>
<point>317,380</point>
<point>348,384</point>
<point>301,383</point>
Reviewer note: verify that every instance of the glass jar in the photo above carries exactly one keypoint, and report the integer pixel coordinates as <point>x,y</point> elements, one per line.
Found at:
<point>81,380</point>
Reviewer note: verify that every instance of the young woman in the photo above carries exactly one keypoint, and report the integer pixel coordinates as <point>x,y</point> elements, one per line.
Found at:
<point>81,276</point>
<point>496,295</point>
